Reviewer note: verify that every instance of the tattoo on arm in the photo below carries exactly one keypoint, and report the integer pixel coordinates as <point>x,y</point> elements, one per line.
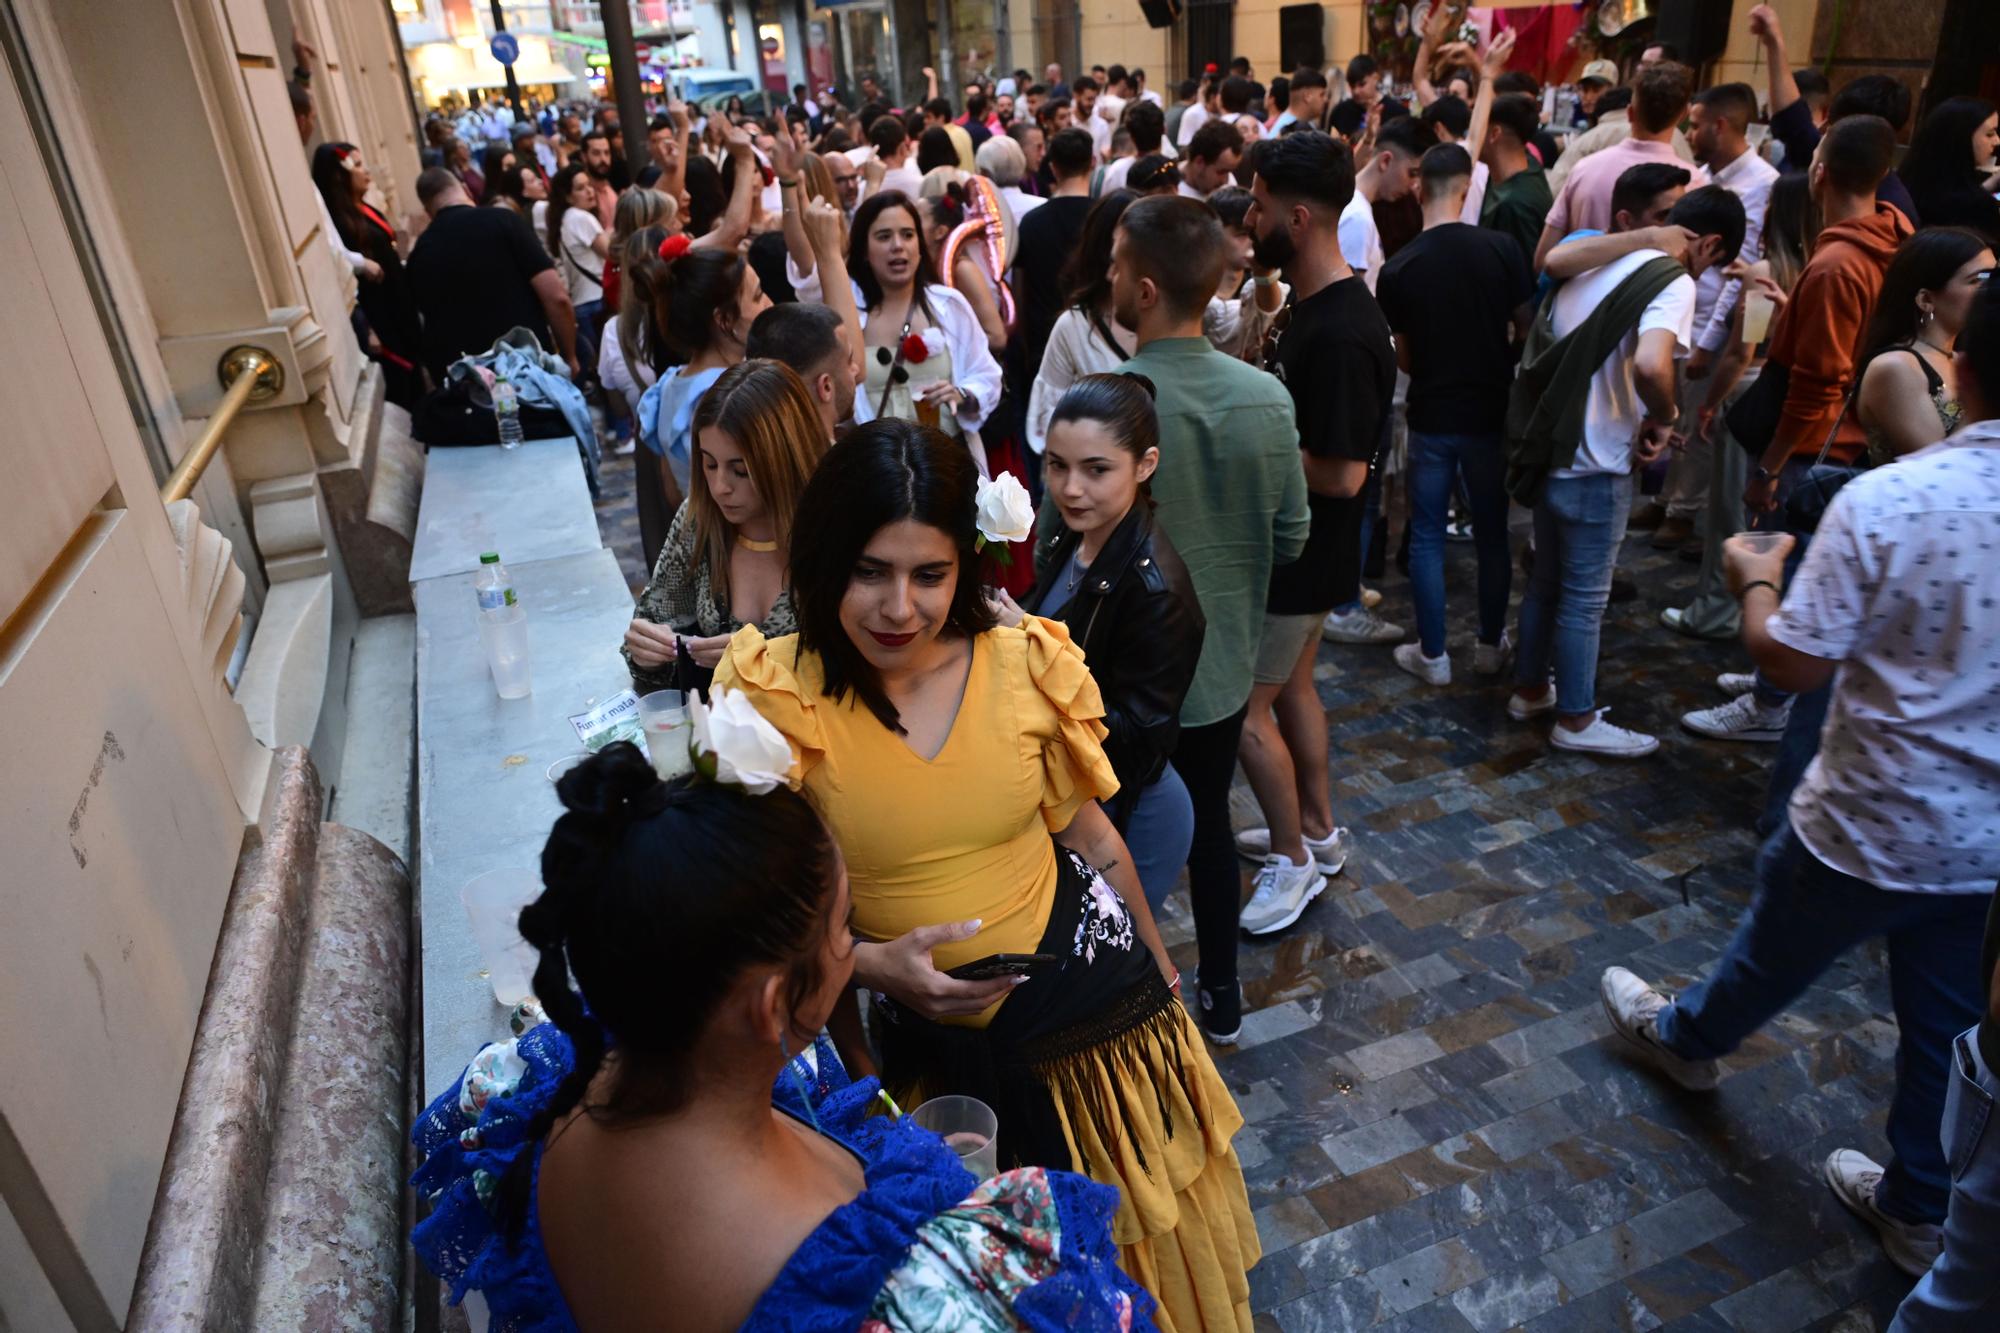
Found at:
<point>1108,866</point>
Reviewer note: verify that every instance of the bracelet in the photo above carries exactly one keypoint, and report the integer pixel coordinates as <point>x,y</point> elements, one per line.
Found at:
<point>1756,583</point>
<point>791,184</point>
<point>1264,279</point>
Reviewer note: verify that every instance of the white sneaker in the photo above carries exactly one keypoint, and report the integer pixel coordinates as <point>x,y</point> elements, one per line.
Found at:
<point>1430,670</point>
<point>1633,1006</point>
<point>1283,891</point>
<point>1741,719</point>
<point>1329,852</point>
<point>1736,682</point>
<point>625,448</point>
<point>1359,626</point>
<point>1490,659</point>
<point>1853,1177</point>
<point>1600,737</point>
<point>1521,708</point>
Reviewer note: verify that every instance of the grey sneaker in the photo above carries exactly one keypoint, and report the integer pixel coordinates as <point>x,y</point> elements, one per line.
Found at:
<point>1633,1006</point>
<point>1330,852</point>
<point>1854,1177</point>
<point>1360,625</point>
<point>1741,719</point>
<point>1734,683</point>
<point>1284,891</point>
<point>1490,659</point>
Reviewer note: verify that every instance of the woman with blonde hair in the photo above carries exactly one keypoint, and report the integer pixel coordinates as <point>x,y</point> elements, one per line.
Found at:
<point>758,437</point>
<point>638,209</point>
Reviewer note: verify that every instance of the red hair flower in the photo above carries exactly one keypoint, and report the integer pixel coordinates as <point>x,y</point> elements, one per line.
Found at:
<point>1209,68</point>
<point>675,246</point>
<point>914,350</point>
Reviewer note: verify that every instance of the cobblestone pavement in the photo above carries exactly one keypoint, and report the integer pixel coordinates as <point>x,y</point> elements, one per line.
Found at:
<point>1442,1135</point>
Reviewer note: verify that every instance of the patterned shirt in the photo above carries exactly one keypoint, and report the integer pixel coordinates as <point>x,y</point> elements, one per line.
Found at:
<point>1901,586</point>
<point>681,595</point>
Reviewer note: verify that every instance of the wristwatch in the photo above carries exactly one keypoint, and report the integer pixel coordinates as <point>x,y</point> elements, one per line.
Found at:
<point>1762,473</point>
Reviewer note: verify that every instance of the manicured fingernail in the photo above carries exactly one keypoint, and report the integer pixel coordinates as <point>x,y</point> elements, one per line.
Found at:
<point>972,926</point>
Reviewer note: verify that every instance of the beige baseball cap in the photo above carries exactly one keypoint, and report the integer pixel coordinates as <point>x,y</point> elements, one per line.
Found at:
<point>1602,71</point>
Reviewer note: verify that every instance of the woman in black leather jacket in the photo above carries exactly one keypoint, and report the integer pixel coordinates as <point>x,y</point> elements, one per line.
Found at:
<point>1115,580</point>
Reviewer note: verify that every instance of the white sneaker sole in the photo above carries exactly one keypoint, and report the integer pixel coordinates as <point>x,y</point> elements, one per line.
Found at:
<point>1755,735</point>
<point>1906,1256</point>
<point>1286,922</point>
<point>1621,752</point>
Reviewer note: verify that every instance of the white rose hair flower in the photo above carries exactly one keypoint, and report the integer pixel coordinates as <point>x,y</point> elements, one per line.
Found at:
<point>734,745</point>
<point>1004,514</point>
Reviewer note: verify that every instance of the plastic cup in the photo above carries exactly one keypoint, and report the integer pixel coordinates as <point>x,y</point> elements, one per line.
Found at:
<point>565,764</point>
<point>1757,309</point>
<point>663,716</point>
<point>505,637</point>
<point>1761,543</point>
<point>493,902</point>
<point>968,1126</point>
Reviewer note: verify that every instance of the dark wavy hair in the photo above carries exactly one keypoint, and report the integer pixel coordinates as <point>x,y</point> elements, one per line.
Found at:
<point>1086,278</point>
<point>655,897</point>
<point>880,473</point>
<point>1924,262</point>
<point>858,267</point>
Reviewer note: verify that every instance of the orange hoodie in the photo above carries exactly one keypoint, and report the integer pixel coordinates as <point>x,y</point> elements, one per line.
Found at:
<point>1819,332</point>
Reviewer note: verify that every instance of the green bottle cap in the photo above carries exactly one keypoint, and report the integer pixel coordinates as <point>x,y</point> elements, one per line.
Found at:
<point>490,558</point>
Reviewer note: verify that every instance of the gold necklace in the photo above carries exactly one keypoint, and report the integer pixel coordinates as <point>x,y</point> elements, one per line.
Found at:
<point>752,544</point>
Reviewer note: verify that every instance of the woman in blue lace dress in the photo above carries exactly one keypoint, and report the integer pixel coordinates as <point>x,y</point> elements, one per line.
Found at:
<point>628,1164</point>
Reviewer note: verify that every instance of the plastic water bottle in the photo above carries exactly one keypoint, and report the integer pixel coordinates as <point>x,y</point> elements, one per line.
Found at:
<point>503,628</point>
<point>507,411</point>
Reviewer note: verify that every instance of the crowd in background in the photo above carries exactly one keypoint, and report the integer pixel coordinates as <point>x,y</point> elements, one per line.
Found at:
<point>1210,334</point>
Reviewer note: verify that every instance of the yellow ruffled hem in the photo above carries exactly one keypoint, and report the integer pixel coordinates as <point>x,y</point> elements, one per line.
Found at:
<point>1074,766</point>
<point>766,670</point>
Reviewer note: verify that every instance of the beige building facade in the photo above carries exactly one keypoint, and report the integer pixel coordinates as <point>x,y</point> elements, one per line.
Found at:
<point>156,658</point>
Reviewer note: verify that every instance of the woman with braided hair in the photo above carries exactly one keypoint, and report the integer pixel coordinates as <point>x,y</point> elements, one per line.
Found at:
<point>628,1165</point>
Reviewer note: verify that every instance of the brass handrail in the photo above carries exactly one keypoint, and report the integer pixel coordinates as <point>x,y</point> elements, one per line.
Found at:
<point>248,374</point>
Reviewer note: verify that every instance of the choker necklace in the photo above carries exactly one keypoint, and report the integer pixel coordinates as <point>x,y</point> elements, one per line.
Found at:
<point>752,544</point>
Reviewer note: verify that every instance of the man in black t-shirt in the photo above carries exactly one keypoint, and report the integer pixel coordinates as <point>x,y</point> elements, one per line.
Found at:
<point>1332,349</point>
<point>1457,297</point>
<point>1048,236</point>
<point>478,272</point>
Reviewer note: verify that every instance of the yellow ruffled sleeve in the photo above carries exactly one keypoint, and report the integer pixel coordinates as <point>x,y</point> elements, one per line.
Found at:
<point>1074,767</point>
<point>767,671</point>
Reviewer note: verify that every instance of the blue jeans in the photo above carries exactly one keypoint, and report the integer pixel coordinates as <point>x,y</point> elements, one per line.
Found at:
<point>1806,914</point>
<point>1579,524</point>
<point>1962,1290</point>
<point>588,316</point>
<point>1434,461</point>
<point>1159,834</point>
<point>1796,749</point>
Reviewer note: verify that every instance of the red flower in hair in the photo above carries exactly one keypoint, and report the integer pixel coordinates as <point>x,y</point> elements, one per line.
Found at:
<point>675,246</point>
<point>914,350</point>
<point>1209,68</point>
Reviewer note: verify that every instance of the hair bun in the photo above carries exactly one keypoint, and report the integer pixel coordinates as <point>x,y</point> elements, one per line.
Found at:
<point>602,786</point>
<point>1152,390</point>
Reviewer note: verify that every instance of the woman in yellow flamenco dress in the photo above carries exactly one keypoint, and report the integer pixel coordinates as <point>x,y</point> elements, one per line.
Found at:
<point>959,764</point>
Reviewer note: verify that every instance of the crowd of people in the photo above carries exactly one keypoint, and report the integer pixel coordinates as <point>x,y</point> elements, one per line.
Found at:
<point>1211,336</point>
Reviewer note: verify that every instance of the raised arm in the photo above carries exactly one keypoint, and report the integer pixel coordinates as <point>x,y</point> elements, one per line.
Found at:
<point>1585,253</point>
<point>788,161</point>
<point>1494,65</point>
<point>826,229</point>
<point>1428,49</point>
<point>734,224</point>
<point>1764,26</point>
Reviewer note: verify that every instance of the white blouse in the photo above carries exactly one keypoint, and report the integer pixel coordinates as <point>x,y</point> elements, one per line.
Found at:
<point>1075,349</point>
<point>973,368</point>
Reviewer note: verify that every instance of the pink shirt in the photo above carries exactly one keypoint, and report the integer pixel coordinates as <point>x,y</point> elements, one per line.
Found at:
<point>1585,199</point>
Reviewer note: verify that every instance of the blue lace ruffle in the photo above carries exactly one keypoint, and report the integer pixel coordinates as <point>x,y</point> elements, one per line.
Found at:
<point>461,1240</point>
<point>832,1279</point>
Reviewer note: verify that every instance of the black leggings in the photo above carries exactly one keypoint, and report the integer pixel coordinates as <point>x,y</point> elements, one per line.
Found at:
<point>1205,758</point>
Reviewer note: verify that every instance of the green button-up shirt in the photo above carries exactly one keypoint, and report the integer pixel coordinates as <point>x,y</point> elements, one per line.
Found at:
<point>1231,493</point>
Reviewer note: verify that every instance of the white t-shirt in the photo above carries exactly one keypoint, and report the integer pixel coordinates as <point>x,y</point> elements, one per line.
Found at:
<point>1898,587</point>
<point>1187,191</point>
<point>1360,242</point>
<point>1018,203</point>
<point>582,266</point>
<point>1475,195</point>
<point>1192,119</point>
<point>905,178</point>
<point>1611,417</point>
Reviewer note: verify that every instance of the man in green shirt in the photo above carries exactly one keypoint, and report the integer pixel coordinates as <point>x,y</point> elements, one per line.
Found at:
<point>1231,493</point>
<point>1518,197</point>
